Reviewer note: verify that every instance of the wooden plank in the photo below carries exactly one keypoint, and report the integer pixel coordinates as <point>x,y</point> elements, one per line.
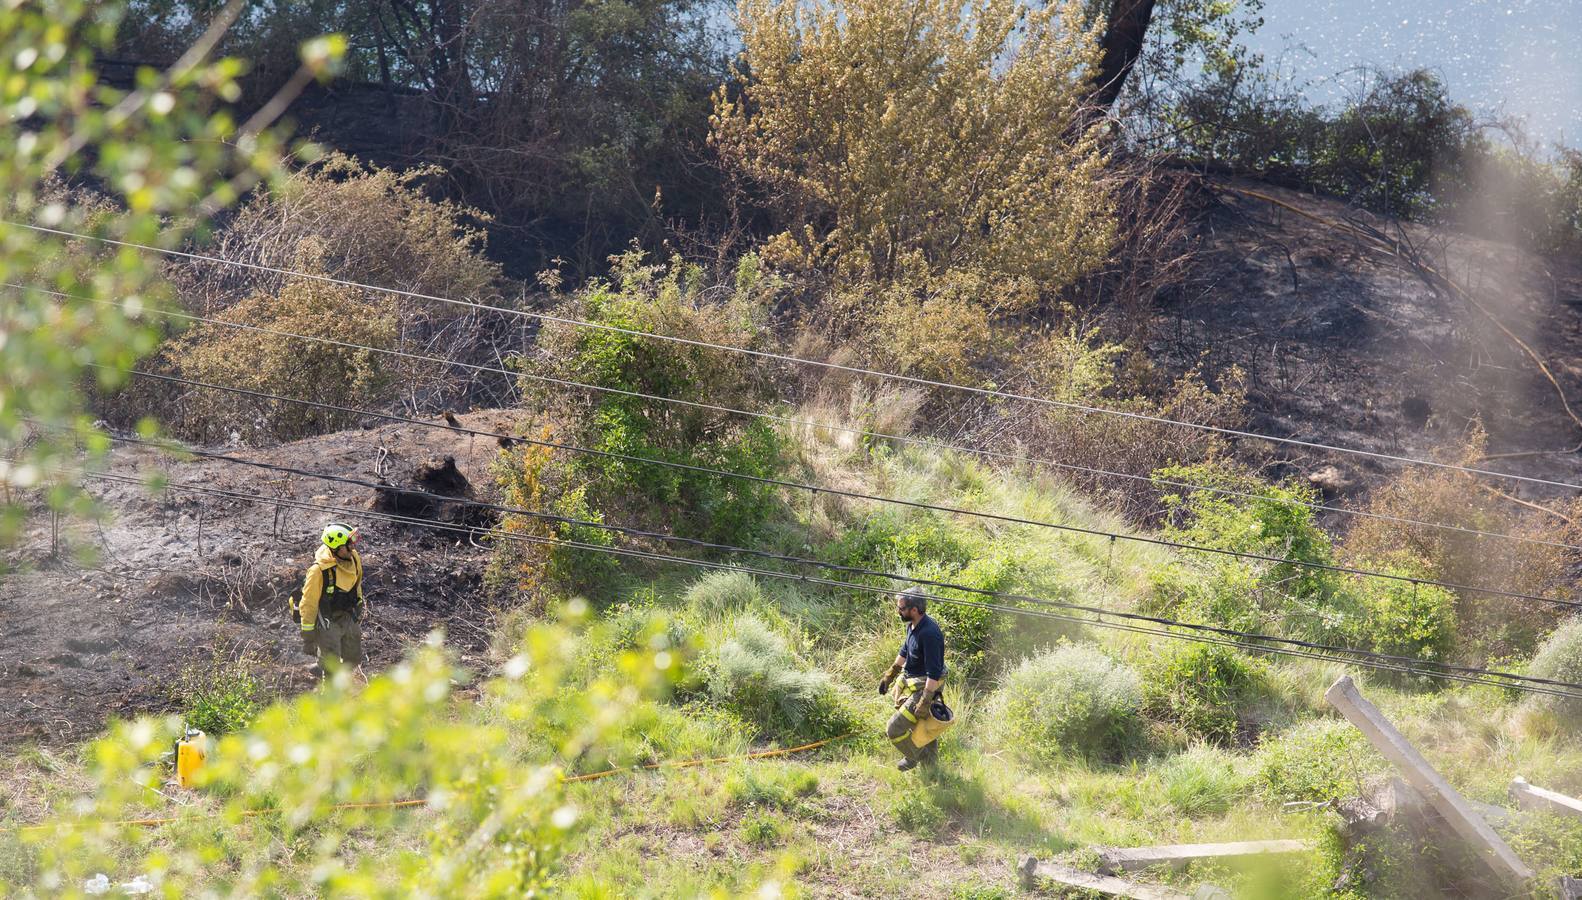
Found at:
<point>1528,796</point>
<point>1032,870</point>
<point>1449,803</point>
<point>1132,859</point>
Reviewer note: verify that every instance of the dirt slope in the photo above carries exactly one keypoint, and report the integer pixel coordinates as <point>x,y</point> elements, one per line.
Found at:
<point>81,644</point>
<point>1343,344</point>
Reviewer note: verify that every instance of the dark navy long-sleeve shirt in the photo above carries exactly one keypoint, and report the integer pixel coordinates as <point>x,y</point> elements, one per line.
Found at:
<point>924,649</point>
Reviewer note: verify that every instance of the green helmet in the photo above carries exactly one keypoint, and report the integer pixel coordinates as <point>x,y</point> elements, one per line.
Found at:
<point>338,534</point>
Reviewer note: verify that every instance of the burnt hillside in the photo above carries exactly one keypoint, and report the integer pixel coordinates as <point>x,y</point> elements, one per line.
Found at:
<point>1344,344</point>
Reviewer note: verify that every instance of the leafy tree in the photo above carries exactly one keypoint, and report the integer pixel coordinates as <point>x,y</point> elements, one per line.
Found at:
<point>575,123</point>
<point>890,136</point>
<point>1165,37</point>
<point>163,154</point>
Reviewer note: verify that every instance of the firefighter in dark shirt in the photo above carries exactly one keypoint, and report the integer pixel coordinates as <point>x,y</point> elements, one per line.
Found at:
<point>921,668</point>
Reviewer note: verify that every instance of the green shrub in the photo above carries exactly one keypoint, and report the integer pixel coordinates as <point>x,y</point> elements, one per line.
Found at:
<point>755,675</point>
<point>534,570</point>
<point>1319,760</point>
<point>221,695</point>
<point>1202,781</point>
<point>1288,597</point>
<point>972,633</point>
<point>1273,521</point>
<point>930,547</point>
<point>406,733</point>
<point>631,627</point>
<point>762,831</point>
<point>780,788</point>
<point>1208,690</point>
<point>722,593</point>
<point>1405,618</point>
<point>1073,701</point>
<point>670,300</point>
<point>895,541</point>
<point>1559,658</point>
<point>980,891</point>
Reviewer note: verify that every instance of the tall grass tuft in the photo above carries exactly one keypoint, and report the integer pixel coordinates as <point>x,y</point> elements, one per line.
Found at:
<point>755,675</point>
<point>1070,702</point>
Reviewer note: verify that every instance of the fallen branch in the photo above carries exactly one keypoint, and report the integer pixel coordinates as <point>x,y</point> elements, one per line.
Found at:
<point>1539,507</point>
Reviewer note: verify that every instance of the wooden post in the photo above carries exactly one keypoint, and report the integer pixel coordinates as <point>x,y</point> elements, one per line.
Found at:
<point>1132,859</point>
<point>1032,870</point>
<point>1344,696</point>
<point>1526,796</point>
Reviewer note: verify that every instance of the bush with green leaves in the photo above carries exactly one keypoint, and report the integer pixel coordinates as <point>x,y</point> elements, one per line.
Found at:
<point>723,593</point>
<point>1404,618</point>
<point>1212,692</point>
<point>670,299</point>
<point>1316,761</point>
<point>1293,596</point>
<point>916,811</point>
<point>762,831</point>
<point>1559,658</point>
<point>221,695</point>
<point>497,821</point>
<point>755,674</point>
<point>1071,702</point>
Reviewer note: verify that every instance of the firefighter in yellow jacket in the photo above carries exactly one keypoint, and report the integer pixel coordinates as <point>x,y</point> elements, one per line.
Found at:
<point>333,604</point>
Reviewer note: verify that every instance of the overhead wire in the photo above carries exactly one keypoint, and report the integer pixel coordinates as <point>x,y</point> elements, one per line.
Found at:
<point>727,548</point>
<point>1201,633</point>
<point>839,492</point>
<point>786,358</point>
<point>1154,481</point>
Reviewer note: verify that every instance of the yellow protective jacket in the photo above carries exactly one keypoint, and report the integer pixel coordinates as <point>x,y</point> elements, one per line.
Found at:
<point>347,572</point>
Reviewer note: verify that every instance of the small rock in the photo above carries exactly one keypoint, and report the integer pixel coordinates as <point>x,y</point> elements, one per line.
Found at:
<point>1331,481</point>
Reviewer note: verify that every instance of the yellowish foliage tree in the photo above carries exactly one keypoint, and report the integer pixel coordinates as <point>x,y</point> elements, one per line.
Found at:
<point>894,135</point>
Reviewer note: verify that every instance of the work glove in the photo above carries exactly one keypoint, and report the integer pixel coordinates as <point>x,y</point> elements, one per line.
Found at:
<point>924,699</point>
<point>358,610</point>
<point>888,680</point>
<point>310,643</point>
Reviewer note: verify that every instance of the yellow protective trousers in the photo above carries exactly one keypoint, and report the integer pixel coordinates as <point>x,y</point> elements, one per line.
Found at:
<point>916,736</point>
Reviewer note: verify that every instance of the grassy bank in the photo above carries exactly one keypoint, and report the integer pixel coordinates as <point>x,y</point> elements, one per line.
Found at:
<point>1072,738</point>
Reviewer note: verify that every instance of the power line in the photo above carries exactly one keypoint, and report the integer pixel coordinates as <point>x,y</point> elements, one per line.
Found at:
<point>764,354</point>
<point>728,548</point>
<point>1348,656</point>
<point>996,454</point>
<point>794,485</point>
